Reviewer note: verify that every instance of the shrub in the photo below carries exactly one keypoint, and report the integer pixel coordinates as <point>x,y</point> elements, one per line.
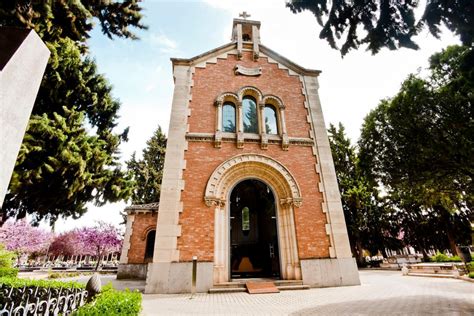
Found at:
<point>6,257</point>
<point>470,266</point>
<point>471,275</point>
<point>441,257</point>
<point>15,283</point>
<point>8,272</point>
<point>113,302</point>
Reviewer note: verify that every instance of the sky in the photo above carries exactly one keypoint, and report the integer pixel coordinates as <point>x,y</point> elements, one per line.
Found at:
<point>141,75</point>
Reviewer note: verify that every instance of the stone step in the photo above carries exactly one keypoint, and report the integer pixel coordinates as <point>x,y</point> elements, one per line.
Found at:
<point>293,287</point>
<point>432,275</point>
<point>288,282</point>
<point>216,290</point>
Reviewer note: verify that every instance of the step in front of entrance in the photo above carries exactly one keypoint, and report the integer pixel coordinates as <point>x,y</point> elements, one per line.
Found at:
<point>239,286</point>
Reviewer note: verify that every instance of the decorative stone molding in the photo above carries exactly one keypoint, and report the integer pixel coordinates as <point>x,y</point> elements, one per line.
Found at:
<point>273,100</point>
<point>285,142</point>
<point>240,140</point>
<point>248,90</point>
<point>218,140</point>
<point>296,202</point>
<point>252,72</point>
<point>264,141</point>
<point>214,202</point>
<point>227,96</point>
<point>257,166</point>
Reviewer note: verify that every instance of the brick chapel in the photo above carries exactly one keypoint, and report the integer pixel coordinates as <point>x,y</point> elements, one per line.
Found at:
<point>249,186</point>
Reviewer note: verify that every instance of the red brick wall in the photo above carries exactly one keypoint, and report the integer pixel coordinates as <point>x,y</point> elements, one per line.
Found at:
<point>197,220</point>
<point>141,225</point>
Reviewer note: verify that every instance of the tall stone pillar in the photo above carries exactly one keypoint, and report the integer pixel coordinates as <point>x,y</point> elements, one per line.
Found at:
<point>23,59</point>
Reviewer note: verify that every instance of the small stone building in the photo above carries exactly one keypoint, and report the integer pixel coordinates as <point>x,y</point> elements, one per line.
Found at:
<point>249,186</point>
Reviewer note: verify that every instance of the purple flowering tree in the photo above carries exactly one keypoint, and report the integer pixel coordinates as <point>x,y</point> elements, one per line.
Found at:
<point>100,240</point>
<point>24,239</point>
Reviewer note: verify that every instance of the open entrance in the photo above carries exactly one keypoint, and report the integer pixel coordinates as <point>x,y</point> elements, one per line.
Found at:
<point>253,231</point>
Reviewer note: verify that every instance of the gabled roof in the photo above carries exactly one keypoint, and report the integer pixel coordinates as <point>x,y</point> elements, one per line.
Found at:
<point>216,52</point>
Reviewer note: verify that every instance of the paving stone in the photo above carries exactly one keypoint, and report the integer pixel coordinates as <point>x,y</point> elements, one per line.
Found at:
<point>381,293</point>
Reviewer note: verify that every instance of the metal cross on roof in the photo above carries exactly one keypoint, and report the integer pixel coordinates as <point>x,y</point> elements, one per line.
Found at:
<point>244,15</point>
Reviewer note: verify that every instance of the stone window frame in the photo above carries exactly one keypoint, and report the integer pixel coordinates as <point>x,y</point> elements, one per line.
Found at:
<point>262,101</point>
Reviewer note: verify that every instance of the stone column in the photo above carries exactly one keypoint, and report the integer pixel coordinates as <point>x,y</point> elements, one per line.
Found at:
<point>240,126</point>
<point>256,42</point>
<point>218,135</point>
<point>261,125</point>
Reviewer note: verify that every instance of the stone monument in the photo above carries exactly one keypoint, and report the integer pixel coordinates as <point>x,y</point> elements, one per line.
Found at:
<point>23,59</point>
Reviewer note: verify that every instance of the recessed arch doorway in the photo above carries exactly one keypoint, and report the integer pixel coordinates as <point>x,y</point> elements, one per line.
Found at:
<point>287,198</point>
<point>254,250</point>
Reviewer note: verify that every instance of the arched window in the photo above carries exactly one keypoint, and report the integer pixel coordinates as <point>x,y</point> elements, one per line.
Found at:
<point>249,112</point>
<point>228,117</point>
<point>271,126</point>
<point>150,244</point>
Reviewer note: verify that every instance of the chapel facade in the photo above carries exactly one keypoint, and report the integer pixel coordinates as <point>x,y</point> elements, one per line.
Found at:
<point>249,186</point>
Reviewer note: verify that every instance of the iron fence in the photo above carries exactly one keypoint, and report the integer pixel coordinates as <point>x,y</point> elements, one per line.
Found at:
<point>40,300</point>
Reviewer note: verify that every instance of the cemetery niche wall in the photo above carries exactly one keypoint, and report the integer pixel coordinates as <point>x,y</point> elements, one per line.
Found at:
<point>249,186</point>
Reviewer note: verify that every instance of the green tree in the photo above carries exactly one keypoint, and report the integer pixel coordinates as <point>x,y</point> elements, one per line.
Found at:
<point>367,219</point>
<point>148,171</point>
<point>385,23</point>
<point>419,145</point>
<point>70,154</point>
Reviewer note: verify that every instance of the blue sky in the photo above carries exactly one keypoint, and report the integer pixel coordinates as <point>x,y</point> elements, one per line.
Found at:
<point>140,71</point>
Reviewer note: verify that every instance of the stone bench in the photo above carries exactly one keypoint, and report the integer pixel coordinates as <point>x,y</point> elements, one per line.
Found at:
<point>436,268</point>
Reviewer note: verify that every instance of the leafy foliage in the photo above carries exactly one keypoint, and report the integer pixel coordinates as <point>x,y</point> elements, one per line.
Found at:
<point>22,238</point>
<point>441,257</point>
<point>53,20</point>
<point>30,283</point>
<point>367,218</point>
<point>148,171</point>
<point>113,302</point>
<point>384,23</point>
<point>100,240</point>
<point>419,145</point>
<point>8,272</point>
<point>70,147</point>
<point>6,257</point>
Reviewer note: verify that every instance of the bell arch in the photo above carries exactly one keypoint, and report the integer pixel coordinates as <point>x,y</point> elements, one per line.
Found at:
<point>287,195</point>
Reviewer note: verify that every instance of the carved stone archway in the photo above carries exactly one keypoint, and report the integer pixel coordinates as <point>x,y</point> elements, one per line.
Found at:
<point>287,193</point>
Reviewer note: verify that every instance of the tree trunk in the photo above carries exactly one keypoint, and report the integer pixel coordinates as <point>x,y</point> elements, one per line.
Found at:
<point>449,230</point>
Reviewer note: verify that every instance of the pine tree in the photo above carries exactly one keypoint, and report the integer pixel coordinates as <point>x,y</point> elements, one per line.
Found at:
<point>148,171</point>
<point>62,165</point>
<point>382,23</point>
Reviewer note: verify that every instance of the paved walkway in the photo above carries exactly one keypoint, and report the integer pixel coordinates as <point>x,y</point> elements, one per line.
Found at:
<point>381,293</point>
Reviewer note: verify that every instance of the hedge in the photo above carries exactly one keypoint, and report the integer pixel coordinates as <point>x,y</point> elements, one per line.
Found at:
<point>16,283</point>
<point>8,272</point>
<point>441,257</point>
<point>113,302</point>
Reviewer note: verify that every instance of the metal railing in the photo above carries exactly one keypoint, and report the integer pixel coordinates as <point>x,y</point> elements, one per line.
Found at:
<point>40,300</point>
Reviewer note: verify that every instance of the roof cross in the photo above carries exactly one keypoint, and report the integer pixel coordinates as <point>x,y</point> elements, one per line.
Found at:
<point>244,15</point>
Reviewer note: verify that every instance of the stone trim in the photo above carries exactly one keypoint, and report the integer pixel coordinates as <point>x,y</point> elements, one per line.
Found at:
<point>287,196</point>
<point>223,177</point>
<point>248,138</point>
<point>126,238</point>
<point>336,225</point>
<point>168,228</point>
<point>223,51</point>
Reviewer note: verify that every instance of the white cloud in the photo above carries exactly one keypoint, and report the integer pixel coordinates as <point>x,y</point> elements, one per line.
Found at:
<point>163,43</point>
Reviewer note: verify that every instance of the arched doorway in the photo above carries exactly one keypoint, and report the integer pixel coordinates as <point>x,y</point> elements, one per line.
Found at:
<point>254,248</point>
<point>287,197</point>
